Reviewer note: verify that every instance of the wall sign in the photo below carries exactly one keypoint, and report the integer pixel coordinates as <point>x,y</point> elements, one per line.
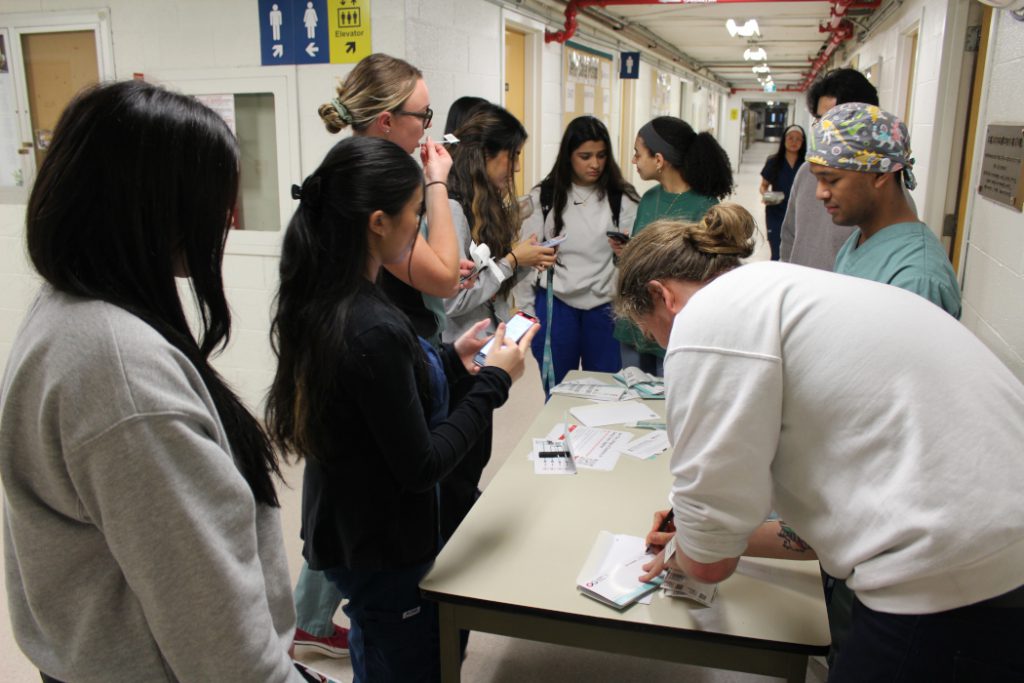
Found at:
<point>1002,166</point>
<point>629,65</point>
<point>314,31</point>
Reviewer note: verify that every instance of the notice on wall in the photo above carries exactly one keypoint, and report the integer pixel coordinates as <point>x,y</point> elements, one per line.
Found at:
<point>1002,166</point>
<point>314,31</point>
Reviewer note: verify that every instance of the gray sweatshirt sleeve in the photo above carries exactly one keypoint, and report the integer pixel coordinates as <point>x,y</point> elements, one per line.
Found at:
<point>469,306</point>
<point>178,519</point>
<point>796,193</point>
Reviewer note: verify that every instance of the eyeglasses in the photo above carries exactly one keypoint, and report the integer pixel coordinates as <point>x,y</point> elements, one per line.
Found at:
<point>425,116</point>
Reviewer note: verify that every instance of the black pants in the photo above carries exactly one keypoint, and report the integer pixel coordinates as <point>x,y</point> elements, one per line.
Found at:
<point>978,643</point>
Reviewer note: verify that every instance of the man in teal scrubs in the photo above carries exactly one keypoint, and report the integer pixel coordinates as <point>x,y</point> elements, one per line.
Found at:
<point>861,158</point>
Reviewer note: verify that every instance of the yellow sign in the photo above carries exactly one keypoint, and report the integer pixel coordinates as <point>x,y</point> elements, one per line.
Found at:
<point>734,114</point>
<point>349,24</point>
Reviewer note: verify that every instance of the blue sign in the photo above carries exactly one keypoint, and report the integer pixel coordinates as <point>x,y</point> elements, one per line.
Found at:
<point>293,32</point>
<point>629,65</point>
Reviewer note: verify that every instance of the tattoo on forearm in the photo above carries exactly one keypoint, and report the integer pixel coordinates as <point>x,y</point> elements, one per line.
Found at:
<point>790,541</point>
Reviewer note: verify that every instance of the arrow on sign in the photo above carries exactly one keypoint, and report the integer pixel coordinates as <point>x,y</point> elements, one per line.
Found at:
<point>312,49</point>
<point>277,51</point>
<point>350,46</point>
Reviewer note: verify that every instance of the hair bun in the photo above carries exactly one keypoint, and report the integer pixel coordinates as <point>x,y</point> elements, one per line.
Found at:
<point>726,229</point>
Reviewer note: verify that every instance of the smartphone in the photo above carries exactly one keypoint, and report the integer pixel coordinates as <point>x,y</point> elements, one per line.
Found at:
<point>515,328</point>
<point>554,241</point>
<point>619,237</point>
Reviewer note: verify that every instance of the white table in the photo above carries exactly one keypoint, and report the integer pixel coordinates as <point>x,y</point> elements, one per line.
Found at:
<point>511,569</point>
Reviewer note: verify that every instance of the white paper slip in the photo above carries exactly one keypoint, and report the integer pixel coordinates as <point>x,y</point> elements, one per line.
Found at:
<point>556,433</point>
<point>677,585</point>
<point>612,413</point>
<point>596,449</point>
<point>648,446</point>
<point>612,571</point>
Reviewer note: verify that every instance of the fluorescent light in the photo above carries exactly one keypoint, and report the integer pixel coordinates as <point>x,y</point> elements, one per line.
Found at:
<point>747,30</point>
<point>755,55</point>
<point>761,69</point>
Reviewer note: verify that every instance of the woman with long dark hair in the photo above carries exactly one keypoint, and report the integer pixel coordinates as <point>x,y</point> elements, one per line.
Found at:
<point>582,198</point>
<point>365,402</point>
<point>485,212</point>
<point>777,175</point>
<point>693,174</point>
<point>142,519</point>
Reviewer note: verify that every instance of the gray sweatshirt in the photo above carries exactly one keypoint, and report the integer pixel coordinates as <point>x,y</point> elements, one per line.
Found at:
<point>585,277</point>
<point>134,549</point>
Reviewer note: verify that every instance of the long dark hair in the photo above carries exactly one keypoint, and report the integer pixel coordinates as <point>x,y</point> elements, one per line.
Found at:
<point>779,157</point>
<point>705,166</point>
<point>460,111</point>
<point>581,130</point>
<point>493,213</point>
<point>139,181</point>
<point>323,269</point>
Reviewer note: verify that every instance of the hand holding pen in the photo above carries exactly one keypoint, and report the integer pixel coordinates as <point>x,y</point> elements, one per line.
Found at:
<point>661,531</point>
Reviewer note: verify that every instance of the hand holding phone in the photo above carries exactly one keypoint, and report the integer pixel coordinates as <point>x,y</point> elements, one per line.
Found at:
<point>554,241</point>
<point>517,326</point>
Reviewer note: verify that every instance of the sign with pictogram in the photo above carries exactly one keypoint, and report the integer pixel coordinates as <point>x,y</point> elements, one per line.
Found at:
<point>349,30</point>
<point>293,32</point>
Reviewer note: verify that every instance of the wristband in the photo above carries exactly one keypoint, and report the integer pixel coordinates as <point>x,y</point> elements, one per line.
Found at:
<point>515,260</point>
<point>436,182</point>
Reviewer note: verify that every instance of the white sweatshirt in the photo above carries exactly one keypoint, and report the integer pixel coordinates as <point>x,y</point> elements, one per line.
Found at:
<point>880,428</point>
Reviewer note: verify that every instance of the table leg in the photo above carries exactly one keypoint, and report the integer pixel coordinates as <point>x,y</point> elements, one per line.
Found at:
<point>448,631</point>
<point>797,669</point>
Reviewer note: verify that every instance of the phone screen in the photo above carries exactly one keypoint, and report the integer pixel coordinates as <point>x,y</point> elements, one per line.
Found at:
<point>515,328</point>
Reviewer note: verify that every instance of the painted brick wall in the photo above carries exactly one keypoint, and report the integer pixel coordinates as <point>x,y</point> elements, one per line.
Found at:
<point>993,267</point>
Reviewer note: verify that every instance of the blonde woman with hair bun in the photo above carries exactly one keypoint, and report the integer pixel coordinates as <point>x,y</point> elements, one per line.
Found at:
<point>386,97</point>
<point>832,400</point>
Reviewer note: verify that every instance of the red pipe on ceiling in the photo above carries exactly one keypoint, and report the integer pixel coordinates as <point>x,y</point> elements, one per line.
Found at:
<point>840,27</point>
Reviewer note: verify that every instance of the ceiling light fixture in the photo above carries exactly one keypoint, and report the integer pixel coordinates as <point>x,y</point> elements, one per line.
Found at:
<point>755,55</point>
<point>761,69</point>
<point>747,30</point>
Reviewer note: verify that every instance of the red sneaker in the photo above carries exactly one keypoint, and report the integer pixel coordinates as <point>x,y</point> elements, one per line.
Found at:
<point>334,645</point>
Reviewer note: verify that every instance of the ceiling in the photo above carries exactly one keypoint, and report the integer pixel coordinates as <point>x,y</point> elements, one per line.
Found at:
<point>788,33</point>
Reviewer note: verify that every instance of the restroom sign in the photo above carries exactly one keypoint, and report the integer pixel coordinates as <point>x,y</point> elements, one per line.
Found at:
<point>294,32</point>
<point>629,65</point>
<point>349,30</point>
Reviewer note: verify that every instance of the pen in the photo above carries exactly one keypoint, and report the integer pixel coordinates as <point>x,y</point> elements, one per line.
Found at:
<point>665,524</point>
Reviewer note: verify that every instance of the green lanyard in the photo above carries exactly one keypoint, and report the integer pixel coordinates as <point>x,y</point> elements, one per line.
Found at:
<point>547,373</point>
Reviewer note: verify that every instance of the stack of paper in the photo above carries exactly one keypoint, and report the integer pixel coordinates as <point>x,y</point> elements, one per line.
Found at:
<point>678,585</point>
<point>612,571</point>
<point>593,389</point>
<point>646,385</point>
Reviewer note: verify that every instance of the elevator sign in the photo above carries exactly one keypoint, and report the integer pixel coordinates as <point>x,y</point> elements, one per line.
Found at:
<point>350,30</point>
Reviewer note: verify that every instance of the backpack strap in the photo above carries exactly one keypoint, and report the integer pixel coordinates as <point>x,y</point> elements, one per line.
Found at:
<point>615,203</point>
<point>547,198</point>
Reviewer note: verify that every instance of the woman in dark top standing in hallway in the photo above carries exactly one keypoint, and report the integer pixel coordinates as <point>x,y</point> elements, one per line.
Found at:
<point>365,401</point>
<point>778,174</point>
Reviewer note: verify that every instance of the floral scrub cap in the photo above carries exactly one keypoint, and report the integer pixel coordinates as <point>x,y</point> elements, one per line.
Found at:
<point>861,137</point>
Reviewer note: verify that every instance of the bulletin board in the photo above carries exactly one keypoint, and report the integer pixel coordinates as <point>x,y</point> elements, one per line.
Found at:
<point>587,77</point>
<point>661,93</point>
